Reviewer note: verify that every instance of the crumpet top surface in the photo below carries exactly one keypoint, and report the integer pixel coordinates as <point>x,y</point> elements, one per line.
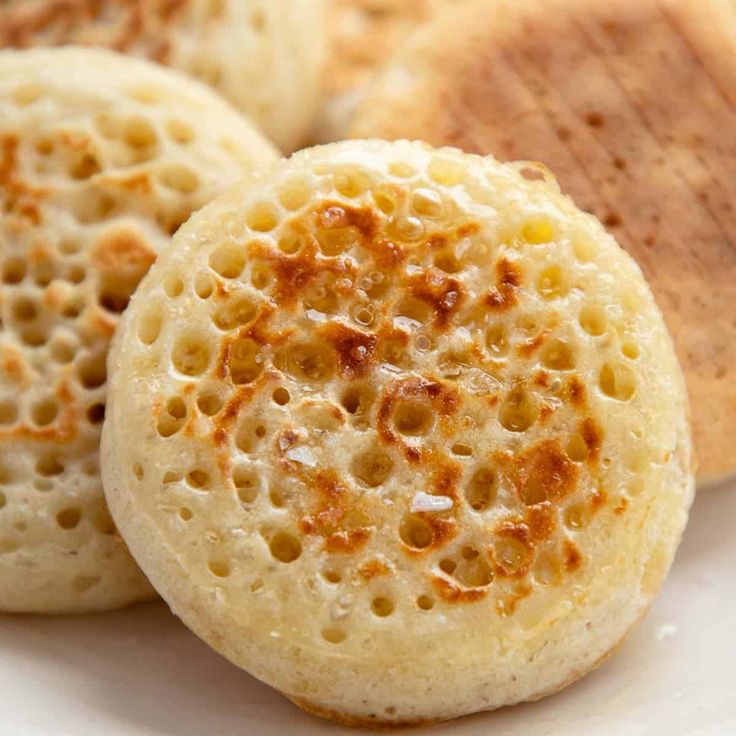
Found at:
<point>265,56</point>
<point>101,159</point>
<point>633,106</point>
<point>392,441</point>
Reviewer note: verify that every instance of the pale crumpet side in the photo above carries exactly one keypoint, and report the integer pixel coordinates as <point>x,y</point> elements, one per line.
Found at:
<point>410,440</point>
<point>102,157</point>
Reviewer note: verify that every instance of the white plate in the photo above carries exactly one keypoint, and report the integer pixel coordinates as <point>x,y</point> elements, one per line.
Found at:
<point>141,672</point>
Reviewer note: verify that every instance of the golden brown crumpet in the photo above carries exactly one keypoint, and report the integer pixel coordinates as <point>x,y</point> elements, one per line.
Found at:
<point>265,56</point>
<point>409,441</point>
<point>362,34</point>
<point>102,157</point>
<point>631,104</point>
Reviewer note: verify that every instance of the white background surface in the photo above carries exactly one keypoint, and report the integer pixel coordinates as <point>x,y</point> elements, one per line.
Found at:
<point>141,672</point>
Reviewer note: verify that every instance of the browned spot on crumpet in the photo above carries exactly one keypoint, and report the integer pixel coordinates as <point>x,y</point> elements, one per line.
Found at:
<point>122,252</point>
<point>592,434</point>
<point>521,533</point>
<point>224,421</point>
<point>133,183</point>
<point>373,569</point>
<point>343,526</point>
<point>576,391</point>
<point>573,557</point>
<point>385,252</point>
<point>527,349</point>
<point>546,411</point>
<point>621,506</point>
<point>542,379</point>
<point>21,199</point>
<point>294,273</point>
<point>443,294</point>
<point>597,500</point>
<point>347,542</point>
<point>507,605</point>
<point>452,592</point>
<point>445,476</point>
<point>13,364</point>
<point>443,399</point>
<point>355,349</point>
<point>543,472</point>
<point>505,294</point>
<point>541,521</point>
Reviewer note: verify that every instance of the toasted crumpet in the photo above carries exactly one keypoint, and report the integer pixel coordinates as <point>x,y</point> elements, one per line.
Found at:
<point>412,469</point>
<point>361,35</point>
<point>633,105</point>
<point>102,157</point>
<point>265,56</point>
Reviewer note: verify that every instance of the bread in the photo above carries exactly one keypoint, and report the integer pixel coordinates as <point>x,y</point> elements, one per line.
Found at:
<point>412,440</point>
<point>102,157</point>
<point>631,104</point>
<point>265,56</point>
<point>361,35</point>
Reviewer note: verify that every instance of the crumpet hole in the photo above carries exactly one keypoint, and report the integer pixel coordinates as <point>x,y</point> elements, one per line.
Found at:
<point>372,467</point>
<point>334,635</point>
<point>382,606</point>
<point>262,217</point>
<point>247,482</point>
<point>518,412</point>
<point>482,489</point>
<point>618,381</point>
<point>558,356</point>
<point>172,418</point>
<point>593,320</point>
<point>228,261</point>
<point>93,371</point>
<point>415,532</point>
<point>191,355</point>
<point>199,479</point>
<point>425,602</point>
<point>69,518</point>
<point>239,310</point>
<point>49,465</point>
<point>245,362</point>
<point>44,412</point>
<point>281,396</point>
<point>412,418</point>
<point>149,326</point>
<point>209,403</point>
<point>219,568</point>
<point>285,547</point>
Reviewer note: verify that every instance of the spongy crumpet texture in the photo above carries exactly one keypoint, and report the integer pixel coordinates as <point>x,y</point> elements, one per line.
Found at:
<point>265,56</point>
<point>361,35</point>
<point>409,442</point>
<point>633,105</point>
<point>102,157</point>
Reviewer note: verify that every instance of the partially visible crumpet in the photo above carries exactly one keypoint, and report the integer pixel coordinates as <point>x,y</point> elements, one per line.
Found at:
<point>102,158</point>
<point>362,34</point>
<point>410,439</point>
<point>265,56</point>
